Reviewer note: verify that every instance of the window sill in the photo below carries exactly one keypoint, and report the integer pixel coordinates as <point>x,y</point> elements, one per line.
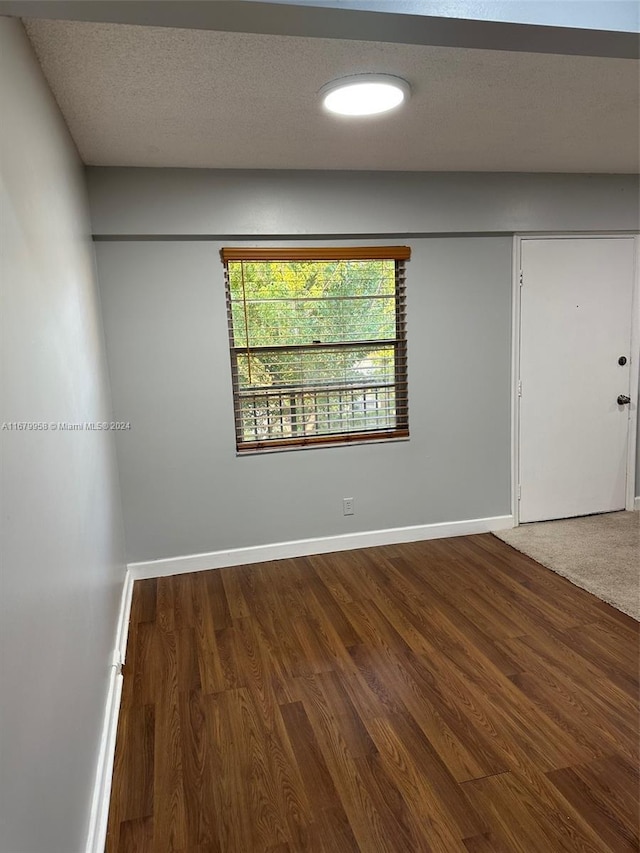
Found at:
<point>263,451</point>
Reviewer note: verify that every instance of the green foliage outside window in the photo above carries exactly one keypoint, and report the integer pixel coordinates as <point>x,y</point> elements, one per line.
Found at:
<point>314,347</point>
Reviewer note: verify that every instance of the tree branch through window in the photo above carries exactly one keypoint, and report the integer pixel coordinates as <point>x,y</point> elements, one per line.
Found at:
<point>318,344</point>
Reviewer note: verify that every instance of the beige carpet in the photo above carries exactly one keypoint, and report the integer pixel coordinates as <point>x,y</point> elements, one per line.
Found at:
<point>600,553</point>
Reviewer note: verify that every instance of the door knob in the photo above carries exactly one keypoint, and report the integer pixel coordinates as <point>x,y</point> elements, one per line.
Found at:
<point>623,399</point>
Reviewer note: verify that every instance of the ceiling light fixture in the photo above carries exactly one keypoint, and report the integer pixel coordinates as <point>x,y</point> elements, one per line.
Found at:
<point>364,94</point>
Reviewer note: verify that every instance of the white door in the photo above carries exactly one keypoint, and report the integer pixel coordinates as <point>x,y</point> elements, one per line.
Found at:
<point>575,329</point>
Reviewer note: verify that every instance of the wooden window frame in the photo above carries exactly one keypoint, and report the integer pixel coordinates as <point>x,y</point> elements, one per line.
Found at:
<point>398,254</point>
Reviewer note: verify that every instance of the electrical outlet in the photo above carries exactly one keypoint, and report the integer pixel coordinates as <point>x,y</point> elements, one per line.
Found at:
<point>347,506</point>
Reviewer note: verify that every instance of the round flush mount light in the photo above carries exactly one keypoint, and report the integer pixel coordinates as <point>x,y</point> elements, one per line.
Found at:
<point>364,94</point>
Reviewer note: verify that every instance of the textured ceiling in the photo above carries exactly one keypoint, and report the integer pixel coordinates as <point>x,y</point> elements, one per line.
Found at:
<point>146,96</point>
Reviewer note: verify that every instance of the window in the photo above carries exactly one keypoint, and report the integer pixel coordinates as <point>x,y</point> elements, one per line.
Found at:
<point>318,345</point>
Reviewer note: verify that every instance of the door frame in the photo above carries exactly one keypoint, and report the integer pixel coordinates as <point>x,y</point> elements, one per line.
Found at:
<point>518,240</point>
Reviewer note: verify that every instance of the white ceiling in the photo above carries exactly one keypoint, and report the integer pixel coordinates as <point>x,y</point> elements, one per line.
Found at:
<point>147,96</point>
<point>616,15</point>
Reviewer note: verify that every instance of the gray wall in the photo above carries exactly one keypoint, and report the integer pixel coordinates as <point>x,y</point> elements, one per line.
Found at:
<point>184,489</point>
<point>261,203</point>
<point>62,541</point>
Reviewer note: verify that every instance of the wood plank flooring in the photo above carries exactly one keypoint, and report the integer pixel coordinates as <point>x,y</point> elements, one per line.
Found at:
<point>450,695</point>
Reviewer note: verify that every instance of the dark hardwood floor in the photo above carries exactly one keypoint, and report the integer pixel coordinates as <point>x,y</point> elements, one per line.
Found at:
<point>450,695</point>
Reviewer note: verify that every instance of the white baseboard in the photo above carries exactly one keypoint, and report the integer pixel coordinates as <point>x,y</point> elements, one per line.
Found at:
<point>102,787</point>
<point>308,547</point>
<point>636,503</point>
<point>122,631</point>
